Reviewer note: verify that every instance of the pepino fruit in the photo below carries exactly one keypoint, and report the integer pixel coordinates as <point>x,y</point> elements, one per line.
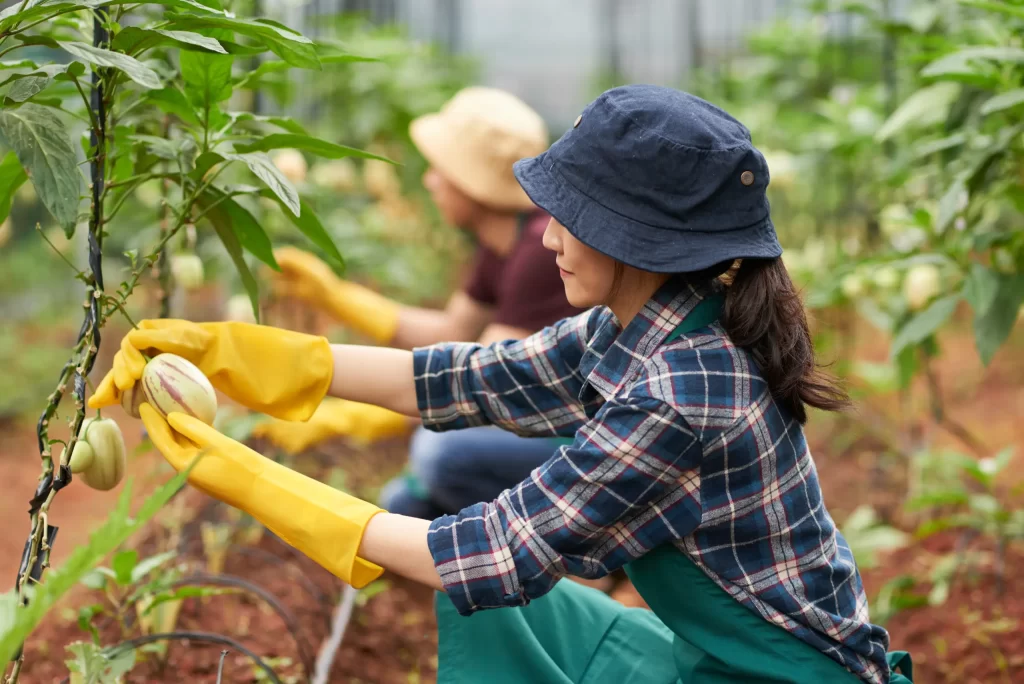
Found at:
<point>173,384</point>
<point>187,270</point>
<point>922,284</point>
<point>131,399</point>
<point>99,454</point>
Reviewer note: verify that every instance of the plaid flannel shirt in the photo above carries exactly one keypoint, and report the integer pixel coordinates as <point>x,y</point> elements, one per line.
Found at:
<point>676,443</point>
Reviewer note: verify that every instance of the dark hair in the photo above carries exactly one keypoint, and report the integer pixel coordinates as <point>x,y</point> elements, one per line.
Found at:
<point>764,315</point>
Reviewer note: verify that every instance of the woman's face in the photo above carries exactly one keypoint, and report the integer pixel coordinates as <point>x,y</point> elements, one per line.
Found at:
<point>455,206</point>
<point>588,275</point>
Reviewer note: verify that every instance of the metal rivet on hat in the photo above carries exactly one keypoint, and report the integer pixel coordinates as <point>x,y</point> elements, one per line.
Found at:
<point>578,119</point>
<point>747,178</point>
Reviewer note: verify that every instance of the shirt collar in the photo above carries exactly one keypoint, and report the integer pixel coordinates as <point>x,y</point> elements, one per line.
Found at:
<point>615,354</point>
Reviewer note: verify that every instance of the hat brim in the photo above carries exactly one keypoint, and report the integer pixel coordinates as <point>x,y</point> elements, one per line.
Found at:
<point>440,146</point>
<point>641,245</point>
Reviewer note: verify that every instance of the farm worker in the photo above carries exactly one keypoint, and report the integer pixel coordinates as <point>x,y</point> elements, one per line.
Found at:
<point>685,395</point>
<point>513,290</point>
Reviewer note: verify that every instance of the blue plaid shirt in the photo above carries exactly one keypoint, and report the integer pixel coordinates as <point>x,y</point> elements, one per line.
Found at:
<point>677,442</point>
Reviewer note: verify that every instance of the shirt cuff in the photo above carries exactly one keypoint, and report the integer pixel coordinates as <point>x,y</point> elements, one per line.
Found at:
<point>476,569</point>
<point>443,378</point>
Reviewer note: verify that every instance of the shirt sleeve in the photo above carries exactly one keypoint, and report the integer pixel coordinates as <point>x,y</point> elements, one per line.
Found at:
<point>530,387</point>
<point>629,483</point>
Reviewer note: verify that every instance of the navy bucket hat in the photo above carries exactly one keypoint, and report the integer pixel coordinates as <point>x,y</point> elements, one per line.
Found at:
<point>658,179</point>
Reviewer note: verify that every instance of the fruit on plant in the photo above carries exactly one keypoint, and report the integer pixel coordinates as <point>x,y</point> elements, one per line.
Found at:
<point>131,399</point>
<point>921,285</point>
<point>853,285</point>
<point>239,308</point>
<point>99,454</point>
<point>339,175</point>
<point>187,270</point>
<point>292,164</point>
<point>885,278</point>
<point>173,384</point>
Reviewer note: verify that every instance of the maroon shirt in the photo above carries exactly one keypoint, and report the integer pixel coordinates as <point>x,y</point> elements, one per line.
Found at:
<point>524,287</point>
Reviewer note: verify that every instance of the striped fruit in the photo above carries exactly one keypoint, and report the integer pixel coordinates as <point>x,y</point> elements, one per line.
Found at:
<point>131,398</point>
<point>99,454</point>
<point>173,384</point>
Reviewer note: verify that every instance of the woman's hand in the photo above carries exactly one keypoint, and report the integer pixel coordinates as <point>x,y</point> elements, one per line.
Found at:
<point>322,522</point>
<point>278,372</point>
<point>306,277</point>
<point>363,423</point>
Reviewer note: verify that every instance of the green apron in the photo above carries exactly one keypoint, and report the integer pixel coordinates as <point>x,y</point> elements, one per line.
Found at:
<point>578,635</point>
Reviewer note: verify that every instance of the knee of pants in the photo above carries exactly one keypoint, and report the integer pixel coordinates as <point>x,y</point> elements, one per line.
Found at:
<point>429,453</point>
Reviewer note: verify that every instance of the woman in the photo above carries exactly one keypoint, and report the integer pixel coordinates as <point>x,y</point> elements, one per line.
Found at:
<point>685,399</point>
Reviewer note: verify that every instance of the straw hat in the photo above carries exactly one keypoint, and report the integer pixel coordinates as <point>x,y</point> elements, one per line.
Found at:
<point>474,140</point>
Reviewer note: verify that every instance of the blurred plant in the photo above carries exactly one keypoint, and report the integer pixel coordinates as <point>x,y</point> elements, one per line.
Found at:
<point>152,112</point>
<point>18,619</point>
<point>897,185</point>
<point>963,494</point>
<point>868,536</point>
<point>392,233</point>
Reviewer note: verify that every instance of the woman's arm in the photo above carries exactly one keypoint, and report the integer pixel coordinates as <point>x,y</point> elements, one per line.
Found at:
<point>399,543</point>
<point>528,386</point>
<point>375,375</point>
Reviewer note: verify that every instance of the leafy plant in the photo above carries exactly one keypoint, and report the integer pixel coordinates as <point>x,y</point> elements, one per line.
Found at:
<point>147,89</point>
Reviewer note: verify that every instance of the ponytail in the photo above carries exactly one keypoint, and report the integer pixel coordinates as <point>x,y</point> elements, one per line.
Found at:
<point>764,315</point>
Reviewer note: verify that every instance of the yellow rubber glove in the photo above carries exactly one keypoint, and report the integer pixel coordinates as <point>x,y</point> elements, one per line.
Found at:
<point>322,522</point>
<point>306,277</point>
<point>282,373</point>
<point>363,423</point>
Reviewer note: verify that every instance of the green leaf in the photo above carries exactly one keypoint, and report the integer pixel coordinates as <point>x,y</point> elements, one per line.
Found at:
<point>150,564</point>
<point>926,107</point>
<point>28,87</point>
<point>998,7</point>
<point>277,66</point>
<point>187,592</point>
<point>286,44</point>
<point>193,38</point>
<point>1003,101</point>
<point>123,564</point>
<point>263,167</point>
<point>282,122</point>
<point>169,149</point>
<point>309,224</point>
<point>24,14</point>
<point>993,327</point>
<point>308,143</point>
<point>85,617</point>
<point>120,525</point>
<point>208,78</point>
<point>12,175</point>
<point>132,68</point>
<point>964,61</point>
<point>44,148</point>
<point>980,288</point>
<point>97,666</point>
<point>222,223</point>
<point>924,324</point>
<point>172,101</point>
<point>249,232</point>
<point>134,40</point>
<point>949,205</point>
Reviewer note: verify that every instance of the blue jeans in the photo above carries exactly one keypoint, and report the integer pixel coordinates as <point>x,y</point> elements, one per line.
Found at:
<point>449,471</point>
